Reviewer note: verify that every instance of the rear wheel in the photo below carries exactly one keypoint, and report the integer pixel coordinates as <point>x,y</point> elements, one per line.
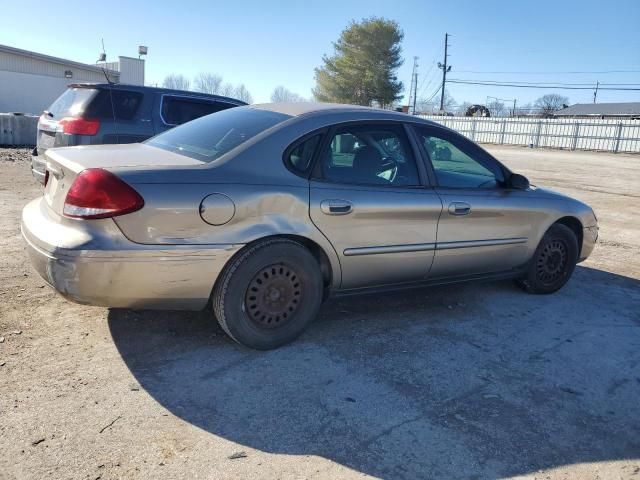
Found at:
<point>269,294</point>
<point>553,261</point>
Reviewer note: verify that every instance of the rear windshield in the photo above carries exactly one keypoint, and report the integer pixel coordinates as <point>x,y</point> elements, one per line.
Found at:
<point>72,102</point>
<point>208,138</point>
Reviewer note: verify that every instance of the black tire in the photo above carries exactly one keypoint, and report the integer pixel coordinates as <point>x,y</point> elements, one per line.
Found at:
<point>553,261</point>
<point>268,295</point>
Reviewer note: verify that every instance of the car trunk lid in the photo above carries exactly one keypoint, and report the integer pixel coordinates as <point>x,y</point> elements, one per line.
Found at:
<point>64,164</point>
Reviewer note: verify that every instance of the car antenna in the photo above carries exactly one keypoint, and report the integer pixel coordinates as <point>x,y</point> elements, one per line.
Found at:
<point>103,58</point>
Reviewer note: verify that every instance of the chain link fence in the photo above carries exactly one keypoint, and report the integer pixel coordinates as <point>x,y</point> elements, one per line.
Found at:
<point>574,134</point>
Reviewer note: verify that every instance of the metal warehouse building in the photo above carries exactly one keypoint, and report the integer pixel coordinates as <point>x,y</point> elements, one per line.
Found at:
<point>627,110</point>
<point>30,81</point>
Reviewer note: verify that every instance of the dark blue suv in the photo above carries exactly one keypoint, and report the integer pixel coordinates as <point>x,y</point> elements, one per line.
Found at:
<point>94,114</point>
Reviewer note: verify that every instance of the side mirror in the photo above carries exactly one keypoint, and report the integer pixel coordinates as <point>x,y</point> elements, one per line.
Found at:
<point>518,182</point>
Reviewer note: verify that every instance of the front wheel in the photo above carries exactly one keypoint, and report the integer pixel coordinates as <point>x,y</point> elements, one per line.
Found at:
<point>553,261</point>
<point>269,294</point>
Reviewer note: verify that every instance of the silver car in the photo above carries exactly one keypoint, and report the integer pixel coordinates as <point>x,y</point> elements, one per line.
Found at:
<point>260,212</point>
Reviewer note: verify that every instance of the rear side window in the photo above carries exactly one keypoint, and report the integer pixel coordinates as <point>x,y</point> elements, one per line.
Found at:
<point>72,102</point>
<point>299,157</point>
<point>124,104</point>
<point>208,138</point>
<point>179,110</point>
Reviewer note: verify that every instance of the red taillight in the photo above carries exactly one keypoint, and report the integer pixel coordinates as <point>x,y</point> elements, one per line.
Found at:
<point>97,193</point>
<point>79,126</point>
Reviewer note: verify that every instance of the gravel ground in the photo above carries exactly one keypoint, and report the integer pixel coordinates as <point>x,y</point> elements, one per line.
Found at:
<point>473,381</point>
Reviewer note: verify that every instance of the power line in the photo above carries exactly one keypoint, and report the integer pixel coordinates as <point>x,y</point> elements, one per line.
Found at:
<point>433,95</point>
<point>551,73</point>
<point>426,75</point>
<point>543,83</point>
<point>433,78</point>
<point>555,87</point>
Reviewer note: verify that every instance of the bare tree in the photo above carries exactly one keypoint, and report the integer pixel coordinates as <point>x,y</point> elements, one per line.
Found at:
<point>227,90</point>
<point>550,103</point>
<point>526,109</point>
<point>432,105</point>
<point>176,81</point>
<point>241,93</point>
<point>461,110</point>
<point>281,94</point>
<point>208,83</point>
<point>496,107</point>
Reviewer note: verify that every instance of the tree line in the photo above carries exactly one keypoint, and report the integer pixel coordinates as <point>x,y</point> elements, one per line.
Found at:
<point>213,84</point>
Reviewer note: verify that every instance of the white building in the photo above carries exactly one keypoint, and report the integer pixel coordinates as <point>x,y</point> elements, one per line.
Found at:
<point>30,81</point>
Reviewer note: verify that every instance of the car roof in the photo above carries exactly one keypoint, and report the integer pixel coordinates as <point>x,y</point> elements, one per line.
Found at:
<point>143,88</point>
<point>313,109</point>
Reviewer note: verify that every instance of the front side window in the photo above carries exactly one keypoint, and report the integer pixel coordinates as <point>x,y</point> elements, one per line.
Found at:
<point>370,155</point>
<point>456,169</point>
<point>208,138</point>
<point>179,110</point>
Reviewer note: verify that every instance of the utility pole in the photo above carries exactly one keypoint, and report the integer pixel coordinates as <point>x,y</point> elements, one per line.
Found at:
<point>514,108</point>
<point>445,69</point>
<point>595,92</point>
<point>413,87</point>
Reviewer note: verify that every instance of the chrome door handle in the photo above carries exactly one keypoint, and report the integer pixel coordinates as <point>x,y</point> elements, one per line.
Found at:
<point>459,208</point>
<point>336,207</point>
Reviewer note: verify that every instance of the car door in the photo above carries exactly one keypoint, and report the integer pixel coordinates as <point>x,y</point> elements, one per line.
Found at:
<point>368,197</point>
<point>485,226</point>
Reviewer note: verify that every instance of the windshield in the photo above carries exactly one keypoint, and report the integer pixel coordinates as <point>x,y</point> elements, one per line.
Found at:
<point>208,138</point>
<point>71,103</point>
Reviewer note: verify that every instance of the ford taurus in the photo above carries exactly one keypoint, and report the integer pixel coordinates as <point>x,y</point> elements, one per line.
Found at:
<point>259,212</point>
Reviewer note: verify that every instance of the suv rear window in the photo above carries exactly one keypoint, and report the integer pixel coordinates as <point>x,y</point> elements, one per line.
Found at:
<point>179,110</point>
<point>208,138</point>
<point>72,102</point>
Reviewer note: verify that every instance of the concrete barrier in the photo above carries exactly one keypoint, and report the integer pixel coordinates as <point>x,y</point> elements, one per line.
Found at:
<point>18,129</point>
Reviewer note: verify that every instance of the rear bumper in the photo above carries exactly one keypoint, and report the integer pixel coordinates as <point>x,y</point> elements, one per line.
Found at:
<point>103,268</point>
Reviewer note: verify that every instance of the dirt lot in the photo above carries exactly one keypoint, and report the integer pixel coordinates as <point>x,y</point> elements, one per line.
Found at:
<point>475,381</point>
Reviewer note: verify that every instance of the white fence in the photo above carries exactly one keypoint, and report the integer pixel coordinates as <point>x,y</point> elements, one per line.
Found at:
<point>574,134</point>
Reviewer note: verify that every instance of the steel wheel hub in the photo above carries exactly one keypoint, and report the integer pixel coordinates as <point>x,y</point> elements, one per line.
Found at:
<point>552,261</point>
<point>273,296</point>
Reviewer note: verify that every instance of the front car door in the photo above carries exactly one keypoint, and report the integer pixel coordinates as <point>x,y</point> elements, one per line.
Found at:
<point>485,226</point>
<point>368,197</point>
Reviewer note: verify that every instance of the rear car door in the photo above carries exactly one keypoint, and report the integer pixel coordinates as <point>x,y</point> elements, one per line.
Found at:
<point>484,226</point>
<point>368,197</point>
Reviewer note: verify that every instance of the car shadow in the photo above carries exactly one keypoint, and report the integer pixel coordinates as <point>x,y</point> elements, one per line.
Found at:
<point>479,380</point>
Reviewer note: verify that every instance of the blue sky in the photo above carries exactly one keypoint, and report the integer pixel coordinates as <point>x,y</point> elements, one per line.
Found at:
<point>264,44</point>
